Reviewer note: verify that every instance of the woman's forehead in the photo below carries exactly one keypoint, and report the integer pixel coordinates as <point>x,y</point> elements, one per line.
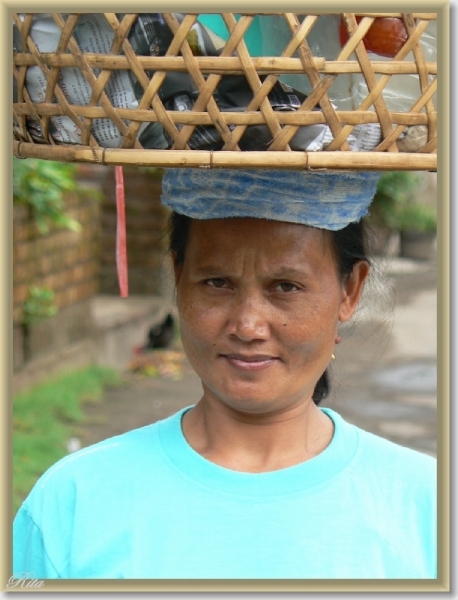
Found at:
<point>236,230</point>
<point>237,238</point>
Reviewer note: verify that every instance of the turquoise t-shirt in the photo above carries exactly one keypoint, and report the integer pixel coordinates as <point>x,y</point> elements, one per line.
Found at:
<point>145,505</point>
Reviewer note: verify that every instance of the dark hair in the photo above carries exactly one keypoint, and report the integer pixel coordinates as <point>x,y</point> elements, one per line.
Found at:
<point>348,246</point>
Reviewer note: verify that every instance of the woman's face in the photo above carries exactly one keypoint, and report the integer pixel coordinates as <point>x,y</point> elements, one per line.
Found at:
<point>259,305</point>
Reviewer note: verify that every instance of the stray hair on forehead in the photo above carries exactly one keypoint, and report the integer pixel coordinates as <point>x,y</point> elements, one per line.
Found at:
<point>348,246</point>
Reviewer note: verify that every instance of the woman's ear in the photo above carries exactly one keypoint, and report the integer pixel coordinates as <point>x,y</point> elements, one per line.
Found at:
<point>352,290</point>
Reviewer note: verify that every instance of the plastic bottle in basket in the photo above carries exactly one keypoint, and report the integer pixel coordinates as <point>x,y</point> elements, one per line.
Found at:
<point>323,41</point>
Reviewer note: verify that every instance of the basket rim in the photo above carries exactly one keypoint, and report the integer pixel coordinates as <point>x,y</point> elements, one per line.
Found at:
<point>207,159</point>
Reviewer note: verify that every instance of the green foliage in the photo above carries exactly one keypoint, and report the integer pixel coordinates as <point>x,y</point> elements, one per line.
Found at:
<point>44,419</point>
<point>396,207</point>
<point>397,186</point>
<point>41,185</point>
<point>155,172</point>
<point>414,217</point>
<point>39,305</point>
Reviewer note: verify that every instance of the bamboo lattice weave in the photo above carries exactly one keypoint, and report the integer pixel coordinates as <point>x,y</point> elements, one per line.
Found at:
<point>407,126</point>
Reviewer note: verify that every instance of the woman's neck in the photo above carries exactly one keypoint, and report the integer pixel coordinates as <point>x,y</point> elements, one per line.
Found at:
<point>256,443</point>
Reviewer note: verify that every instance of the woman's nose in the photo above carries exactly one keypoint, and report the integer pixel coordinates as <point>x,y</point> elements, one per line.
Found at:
<point>249,318</point>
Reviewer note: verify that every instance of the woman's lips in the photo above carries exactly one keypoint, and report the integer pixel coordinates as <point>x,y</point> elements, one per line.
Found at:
<point>255,362</point>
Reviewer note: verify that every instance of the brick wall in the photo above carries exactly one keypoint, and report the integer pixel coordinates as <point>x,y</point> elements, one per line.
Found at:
<point>146,221</point>
<point>76,266</point>
<point>66,262</point>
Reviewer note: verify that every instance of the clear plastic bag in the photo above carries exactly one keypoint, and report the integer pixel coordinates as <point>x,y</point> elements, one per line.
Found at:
<point>402,91</point>
<point>323,40</point>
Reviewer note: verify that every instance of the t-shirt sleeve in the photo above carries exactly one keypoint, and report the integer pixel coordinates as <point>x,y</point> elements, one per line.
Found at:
<point>29,554</point>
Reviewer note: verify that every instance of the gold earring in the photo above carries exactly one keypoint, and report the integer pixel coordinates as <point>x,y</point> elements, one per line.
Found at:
<point>333,357</point>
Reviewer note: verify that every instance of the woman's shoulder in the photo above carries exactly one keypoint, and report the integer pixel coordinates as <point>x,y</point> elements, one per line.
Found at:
<point>104,453</point>
<point>385,460</point>
<point>114,459</point>
<point>381,449</point>
<point>398,467</point>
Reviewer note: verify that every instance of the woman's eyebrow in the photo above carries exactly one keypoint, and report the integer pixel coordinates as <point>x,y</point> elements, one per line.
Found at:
<point>284,272</point>
<point>280,273</point>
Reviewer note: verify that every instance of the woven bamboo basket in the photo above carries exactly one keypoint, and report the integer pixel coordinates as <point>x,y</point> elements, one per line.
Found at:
<point>296,58</point>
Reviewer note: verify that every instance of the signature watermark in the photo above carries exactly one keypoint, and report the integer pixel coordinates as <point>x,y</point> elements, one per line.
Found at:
<point>24,580</point>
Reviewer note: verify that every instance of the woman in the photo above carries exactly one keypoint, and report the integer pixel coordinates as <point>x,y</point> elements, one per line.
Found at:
<point>254,480</point>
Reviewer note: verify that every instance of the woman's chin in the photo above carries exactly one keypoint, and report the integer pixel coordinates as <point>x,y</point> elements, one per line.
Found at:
<point>253,400</point>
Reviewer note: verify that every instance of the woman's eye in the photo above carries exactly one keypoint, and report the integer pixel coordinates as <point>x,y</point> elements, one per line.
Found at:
<point>286,286</point>
<point>216,282</point>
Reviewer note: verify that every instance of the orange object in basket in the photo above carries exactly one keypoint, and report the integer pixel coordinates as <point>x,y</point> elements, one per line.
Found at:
<point>385,37</point>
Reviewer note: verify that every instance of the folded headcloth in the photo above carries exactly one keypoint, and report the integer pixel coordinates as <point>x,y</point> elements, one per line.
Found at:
<point>316,198</point>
